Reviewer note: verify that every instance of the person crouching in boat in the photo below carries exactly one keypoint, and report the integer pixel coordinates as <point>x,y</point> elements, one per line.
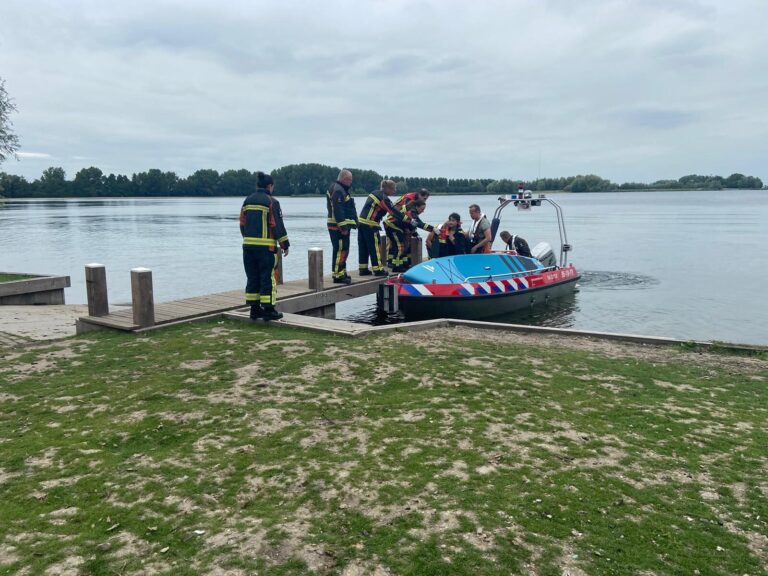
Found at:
<point>479,232</point>
<point>516,243</point>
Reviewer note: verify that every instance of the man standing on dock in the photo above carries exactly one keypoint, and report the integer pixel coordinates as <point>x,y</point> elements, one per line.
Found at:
<point>342,218</point>
<point>263,231</point>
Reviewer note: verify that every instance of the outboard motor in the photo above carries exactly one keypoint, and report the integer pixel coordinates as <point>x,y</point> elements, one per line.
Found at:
<point>544,254</point>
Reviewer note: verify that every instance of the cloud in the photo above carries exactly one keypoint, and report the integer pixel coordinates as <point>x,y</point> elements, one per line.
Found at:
<point>628,90</point>
<point>33,155</point>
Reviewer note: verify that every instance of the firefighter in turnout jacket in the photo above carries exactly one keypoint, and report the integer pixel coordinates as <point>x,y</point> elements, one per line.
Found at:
<point>263,231</point>
<point>399,233</point>
<point>369,224</point>
<point>342,218</point>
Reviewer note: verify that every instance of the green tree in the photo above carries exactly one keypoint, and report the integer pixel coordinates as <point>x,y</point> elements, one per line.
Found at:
<point>89,182</point>
<point>53,183</point>
<point>9,142</point>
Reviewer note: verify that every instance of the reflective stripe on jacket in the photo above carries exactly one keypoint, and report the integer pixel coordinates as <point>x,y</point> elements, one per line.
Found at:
<point>261,222</point>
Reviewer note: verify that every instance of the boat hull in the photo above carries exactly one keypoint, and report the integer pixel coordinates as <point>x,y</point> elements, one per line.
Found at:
<point>475,301</point>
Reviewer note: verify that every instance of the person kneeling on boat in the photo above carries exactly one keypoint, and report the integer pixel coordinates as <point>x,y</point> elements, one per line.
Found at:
<point>480,231</point>
<point>516,243</point>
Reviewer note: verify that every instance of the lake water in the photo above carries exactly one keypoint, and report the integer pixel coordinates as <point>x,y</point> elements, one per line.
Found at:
<point>680,264</point>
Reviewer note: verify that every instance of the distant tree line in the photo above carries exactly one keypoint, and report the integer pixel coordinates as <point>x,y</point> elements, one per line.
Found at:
<point>313,179</point>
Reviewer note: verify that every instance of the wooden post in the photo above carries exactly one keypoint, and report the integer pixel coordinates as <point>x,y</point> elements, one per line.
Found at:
<point>383,249</point>
<point>279,271</point>
<point>96,289</point>
<point>315,261</point>
<point>143,297</point>
<point>416,256</point>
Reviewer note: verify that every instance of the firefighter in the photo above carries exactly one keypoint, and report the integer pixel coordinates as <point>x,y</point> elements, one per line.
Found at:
<point>369,225</point>
<point>342,218</point>
<point>263,231</point>
<point>399,234</point>
<point>420,194</point>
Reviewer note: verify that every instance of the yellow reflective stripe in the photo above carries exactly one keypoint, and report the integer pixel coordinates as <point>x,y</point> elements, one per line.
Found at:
<point>346,222</point>
<point>249,296</point>
<point>250,241</point>
<point>256,207</point>
<point>331,220</point>
<point>369,222</point>
<point>283,238</point>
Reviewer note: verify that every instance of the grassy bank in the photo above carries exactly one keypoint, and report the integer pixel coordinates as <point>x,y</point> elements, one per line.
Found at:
<point>227,448</point>
<point>13,277</point>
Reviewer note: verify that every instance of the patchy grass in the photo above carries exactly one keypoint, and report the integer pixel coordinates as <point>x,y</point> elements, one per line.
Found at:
<point>13,277</point>
<point>241,449</point>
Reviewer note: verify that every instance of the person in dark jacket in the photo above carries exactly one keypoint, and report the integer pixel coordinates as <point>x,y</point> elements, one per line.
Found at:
<point>342,218</point>
<point>516,243</point>
<point>369,225</point>
<point>263,232</point>
<point>451,237</point>
<point>399,232</point>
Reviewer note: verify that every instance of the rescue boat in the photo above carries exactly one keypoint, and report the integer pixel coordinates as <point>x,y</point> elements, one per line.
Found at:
<point>478,286</point>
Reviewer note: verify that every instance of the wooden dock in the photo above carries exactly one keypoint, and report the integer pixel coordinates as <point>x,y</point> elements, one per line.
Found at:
<point>294,296</point>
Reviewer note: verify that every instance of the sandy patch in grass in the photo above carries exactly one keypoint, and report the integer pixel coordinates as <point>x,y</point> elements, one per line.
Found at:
<point>44,460</point>
<point>58,482</point>
<point>244,535</point>
<point>297,530</point>
<point>458,470</point>
<point>567,561</point>
<point>70,566</point>
<point>131,418</point>
<point>131,546</point>
<point>182,417</point>
<point>295,350</point>
<point>196,364</point>
<point>8,555</point>
<point>7,397</point>
<point>5,476</point>
<point>360,568</point>
<point>247,380</point>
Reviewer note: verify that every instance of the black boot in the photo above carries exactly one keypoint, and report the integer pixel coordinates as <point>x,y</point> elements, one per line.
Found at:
<point>270,313</point>
<point>256,312</point>
<point>365,272</point>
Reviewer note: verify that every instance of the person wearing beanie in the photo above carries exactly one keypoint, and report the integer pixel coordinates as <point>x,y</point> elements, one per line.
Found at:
<point>342,218</point>
<point>263,232</point>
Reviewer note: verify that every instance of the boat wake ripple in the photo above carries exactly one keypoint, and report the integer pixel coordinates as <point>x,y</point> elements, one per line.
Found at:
<point>606,280</point>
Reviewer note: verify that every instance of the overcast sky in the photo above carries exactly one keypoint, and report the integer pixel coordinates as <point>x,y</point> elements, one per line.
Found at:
<point>629,90</point>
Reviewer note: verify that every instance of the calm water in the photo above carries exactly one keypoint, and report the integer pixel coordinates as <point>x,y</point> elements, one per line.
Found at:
<point>679,264</point>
